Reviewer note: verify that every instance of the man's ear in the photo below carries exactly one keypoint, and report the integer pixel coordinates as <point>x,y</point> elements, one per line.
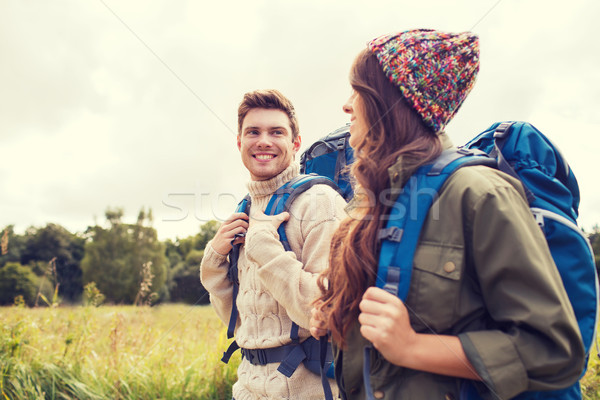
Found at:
<point>239,142</point>
<point>297,143</point>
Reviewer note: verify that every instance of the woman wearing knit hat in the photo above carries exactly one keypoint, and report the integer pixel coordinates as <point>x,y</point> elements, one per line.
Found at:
<point>486,311</point>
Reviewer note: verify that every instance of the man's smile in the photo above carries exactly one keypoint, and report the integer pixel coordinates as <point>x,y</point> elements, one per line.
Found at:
<point>264,156</point>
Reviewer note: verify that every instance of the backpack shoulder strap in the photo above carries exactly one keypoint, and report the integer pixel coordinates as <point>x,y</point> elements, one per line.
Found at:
<point>232,272</point>
<point>284,197</point>
<point>500,138</point>
<point>281,201</point>
<point>301,352</point>
<point>400,236</point>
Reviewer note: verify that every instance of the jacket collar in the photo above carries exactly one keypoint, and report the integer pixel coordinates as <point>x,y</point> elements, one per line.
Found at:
<point>400,172</point>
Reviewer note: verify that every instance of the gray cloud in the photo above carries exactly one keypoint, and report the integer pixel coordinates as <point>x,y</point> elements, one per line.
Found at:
<point>99,110</point>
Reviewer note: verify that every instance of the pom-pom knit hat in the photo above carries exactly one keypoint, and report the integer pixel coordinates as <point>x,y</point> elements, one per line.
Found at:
<point>434,70</point>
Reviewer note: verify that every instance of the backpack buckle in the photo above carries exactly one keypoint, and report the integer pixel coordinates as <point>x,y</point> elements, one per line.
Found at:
<point>255,356</point>
<point>392,233</point>
<point>502,130</point>
<point>539,218</point>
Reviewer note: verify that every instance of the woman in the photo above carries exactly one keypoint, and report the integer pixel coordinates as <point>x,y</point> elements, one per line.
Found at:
<point>485,304</point>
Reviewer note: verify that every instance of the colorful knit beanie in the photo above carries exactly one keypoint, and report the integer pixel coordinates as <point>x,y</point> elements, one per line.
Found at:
<point>434,70</point>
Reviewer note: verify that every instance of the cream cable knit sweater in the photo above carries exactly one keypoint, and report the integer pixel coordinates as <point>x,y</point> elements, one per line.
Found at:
<point>276,286</point>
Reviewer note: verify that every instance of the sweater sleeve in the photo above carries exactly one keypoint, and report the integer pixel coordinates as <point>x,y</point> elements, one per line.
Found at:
<point>213,275</point>
<point>537,345</point>
<point>314,217</point>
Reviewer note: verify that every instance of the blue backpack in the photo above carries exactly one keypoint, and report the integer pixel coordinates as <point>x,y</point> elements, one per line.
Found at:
<point>553,194</point>
<point>520,150</point>
<point>329,157</point>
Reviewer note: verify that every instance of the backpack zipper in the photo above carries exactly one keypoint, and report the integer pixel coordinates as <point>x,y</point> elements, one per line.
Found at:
<point>540,214</point>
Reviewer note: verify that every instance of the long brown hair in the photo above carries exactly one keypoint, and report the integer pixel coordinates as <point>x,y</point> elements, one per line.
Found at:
<point>396,130</point>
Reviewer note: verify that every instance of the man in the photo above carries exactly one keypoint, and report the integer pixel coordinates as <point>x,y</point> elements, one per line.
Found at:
<point>275,287</point>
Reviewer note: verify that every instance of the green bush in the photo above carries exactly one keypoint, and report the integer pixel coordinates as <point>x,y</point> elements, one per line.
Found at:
<point>15,280</point>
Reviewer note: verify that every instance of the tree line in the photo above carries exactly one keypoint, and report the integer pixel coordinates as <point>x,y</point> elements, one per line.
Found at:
<point>123,263</point>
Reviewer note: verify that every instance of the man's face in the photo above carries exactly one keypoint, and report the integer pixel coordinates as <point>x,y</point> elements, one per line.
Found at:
<point>266,143</point>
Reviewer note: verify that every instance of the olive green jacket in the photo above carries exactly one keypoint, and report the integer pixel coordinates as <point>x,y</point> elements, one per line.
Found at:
<point>483,272</point>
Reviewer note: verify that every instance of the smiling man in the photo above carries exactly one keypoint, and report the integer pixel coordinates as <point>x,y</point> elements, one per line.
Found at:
<point>267,142</point>
<point>275,287</point>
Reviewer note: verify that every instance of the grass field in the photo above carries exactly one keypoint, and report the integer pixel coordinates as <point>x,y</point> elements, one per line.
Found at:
<point>590,384</point>
<point>124,352</point>
<point>165,352</point>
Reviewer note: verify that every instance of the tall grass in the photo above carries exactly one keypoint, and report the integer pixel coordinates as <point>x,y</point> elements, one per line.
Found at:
<point>590,384</point>
<point>116,352</point>
<point>124,352</point>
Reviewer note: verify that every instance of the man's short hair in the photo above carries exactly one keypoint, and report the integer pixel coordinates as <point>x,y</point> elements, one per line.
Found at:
<point>269,99</point>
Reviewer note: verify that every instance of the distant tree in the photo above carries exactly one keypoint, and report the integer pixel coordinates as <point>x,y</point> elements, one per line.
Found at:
<point>595,241</point>
<point>207,232</point>
<point>15,280</point>
<point>55,242</point>
<point>172,251</point>
<point>12,245</point>
<point>114,257</point>
<point>174,258</point>
<point>186,285</point>
<point>185,256</point>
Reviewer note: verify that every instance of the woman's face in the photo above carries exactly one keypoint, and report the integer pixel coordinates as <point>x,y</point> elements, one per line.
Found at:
<point>358,119</point>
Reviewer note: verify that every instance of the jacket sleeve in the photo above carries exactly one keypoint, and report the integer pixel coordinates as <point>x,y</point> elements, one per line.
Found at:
<point>536,344</point>
<point>293,283</point>
<point>213,275</point>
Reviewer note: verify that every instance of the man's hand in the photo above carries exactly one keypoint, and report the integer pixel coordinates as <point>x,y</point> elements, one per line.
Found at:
<point>236,224</point>
<point>259,217</point>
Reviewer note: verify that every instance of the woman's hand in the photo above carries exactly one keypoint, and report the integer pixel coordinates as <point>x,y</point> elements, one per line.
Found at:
<point>384,322</point>
<point>318,321</point>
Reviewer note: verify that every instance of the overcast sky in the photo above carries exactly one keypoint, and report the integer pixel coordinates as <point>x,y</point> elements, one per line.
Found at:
<point>133,104</point>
